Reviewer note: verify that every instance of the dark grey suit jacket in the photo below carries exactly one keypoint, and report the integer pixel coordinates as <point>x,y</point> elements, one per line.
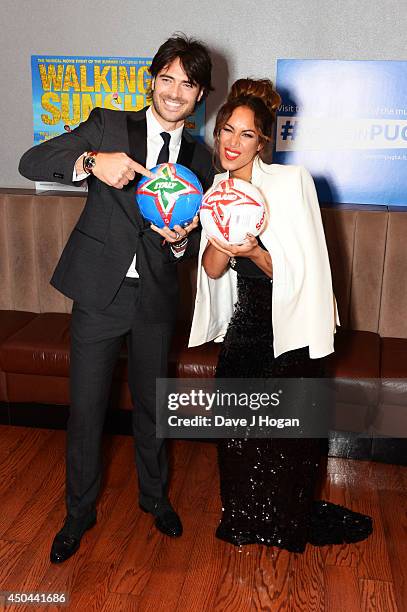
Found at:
<point>110,229</point>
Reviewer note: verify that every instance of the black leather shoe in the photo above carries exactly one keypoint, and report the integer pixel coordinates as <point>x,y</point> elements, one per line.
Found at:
<point>166,519</point>
<point>66,544</point>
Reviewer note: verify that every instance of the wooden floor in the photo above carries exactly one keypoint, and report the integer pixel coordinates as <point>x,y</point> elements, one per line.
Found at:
<point>125,564</point>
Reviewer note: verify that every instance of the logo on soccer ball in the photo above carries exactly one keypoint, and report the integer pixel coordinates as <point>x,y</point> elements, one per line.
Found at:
<point>218,202</point>
<point>166,188</point>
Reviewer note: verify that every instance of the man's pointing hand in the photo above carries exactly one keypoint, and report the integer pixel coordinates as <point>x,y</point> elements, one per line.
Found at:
<point>117,169</point>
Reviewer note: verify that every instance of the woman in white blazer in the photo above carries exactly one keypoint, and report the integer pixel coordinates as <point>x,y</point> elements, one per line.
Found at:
<point>271,300</point>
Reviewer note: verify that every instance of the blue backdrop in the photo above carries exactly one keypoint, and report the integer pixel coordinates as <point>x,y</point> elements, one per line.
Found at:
<point>346,121</point>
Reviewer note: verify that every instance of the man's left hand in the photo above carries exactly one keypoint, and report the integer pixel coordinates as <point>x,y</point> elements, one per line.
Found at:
<point>178,233</point>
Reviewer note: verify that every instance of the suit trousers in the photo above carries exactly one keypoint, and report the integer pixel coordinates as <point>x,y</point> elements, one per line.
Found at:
<point>96,340</point>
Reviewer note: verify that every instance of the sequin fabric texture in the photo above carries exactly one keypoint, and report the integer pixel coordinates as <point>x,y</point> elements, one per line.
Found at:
<point>268,484</point>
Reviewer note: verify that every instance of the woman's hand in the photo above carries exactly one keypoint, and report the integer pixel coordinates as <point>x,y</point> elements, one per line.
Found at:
<point>218,254</point>
<point>249,248</point>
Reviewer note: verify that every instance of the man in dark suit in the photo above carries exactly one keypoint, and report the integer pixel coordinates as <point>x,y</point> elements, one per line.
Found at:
<point>122,275</point>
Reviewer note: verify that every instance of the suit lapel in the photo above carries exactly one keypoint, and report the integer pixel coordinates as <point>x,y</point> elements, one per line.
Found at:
<point>137,130</point>
<point>137,134</point>
<point>186,151</point>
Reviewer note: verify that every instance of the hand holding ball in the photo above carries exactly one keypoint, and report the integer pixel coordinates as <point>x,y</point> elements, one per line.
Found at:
<point>231,209</point>
<point>172,197</point>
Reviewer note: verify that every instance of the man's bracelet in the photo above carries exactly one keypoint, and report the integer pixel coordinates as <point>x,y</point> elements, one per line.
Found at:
<point>178,246</point>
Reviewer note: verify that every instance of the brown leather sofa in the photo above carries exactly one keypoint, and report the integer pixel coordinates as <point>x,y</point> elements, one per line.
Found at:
<point>369,267</point>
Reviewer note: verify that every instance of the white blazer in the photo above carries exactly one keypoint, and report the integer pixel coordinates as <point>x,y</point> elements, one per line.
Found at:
<point>304,309</point>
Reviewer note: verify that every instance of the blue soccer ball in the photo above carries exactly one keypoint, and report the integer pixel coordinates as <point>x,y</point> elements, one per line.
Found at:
<point>172,197</point>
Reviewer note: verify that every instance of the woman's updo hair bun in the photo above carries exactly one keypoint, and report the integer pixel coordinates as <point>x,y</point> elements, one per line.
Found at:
<point>260,96</point>
<point>256,88</point>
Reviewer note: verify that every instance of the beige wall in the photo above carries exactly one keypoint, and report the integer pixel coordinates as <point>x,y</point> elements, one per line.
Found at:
<point>246,37</point>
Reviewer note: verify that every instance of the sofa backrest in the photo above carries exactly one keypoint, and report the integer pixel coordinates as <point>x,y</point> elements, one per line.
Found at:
<point>393,304</point>
<point>366,249</point>
<point>33,231</point>
<point>369,268</point>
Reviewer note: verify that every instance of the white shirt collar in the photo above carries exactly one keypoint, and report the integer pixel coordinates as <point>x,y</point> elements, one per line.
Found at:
<point>154,128</point>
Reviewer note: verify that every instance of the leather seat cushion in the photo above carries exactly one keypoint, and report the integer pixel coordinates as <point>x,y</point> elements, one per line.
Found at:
<point>357,355</point>
<point>195,362</point>
<point>394,378</point>
<point>13,320</point>
<point>10,322</point>
<point>355,366</point>
<point>40,347</point>
<point>394,358</point>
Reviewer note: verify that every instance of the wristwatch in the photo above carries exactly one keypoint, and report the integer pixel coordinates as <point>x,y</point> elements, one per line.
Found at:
<point>89,161</point>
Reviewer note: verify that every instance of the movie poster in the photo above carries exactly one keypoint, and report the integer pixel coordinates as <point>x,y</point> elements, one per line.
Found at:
<point>346,121</point>
<point>66,89</point>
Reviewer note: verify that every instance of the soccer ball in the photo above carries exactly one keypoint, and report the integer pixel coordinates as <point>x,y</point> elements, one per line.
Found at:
<point>231,209</point>
<point>172,197</point>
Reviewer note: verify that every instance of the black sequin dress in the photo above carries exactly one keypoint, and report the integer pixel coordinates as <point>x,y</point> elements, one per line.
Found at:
<point>268,484</point>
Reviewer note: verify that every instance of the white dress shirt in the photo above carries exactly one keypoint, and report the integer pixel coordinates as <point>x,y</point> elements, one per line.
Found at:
<point>154,145</point>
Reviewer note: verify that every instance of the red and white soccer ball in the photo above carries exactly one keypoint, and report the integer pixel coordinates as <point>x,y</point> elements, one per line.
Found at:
<point>231,209</point>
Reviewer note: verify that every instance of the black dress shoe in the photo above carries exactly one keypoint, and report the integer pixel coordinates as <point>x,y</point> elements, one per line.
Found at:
<point>166,519</point>
<point>65,543</point>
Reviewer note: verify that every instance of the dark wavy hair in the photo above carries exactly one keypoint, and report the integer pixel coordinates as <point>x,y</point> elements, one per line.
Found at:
<point>194,57</point>
<point>260,96</point>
